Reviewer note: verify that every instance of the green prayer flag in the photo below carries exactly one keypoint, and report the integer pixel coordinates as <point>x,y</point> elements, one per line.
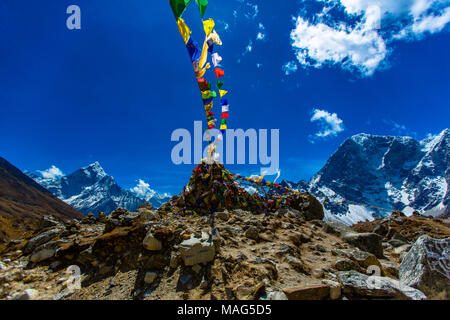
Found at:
<point>178,6</point>
<point>224,121</point>
<point>219,84</point>
<point>202,4</point>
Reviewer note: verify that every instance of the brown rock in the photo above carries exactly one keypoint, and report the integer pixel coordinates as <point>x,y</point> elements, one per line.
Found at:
<point>318,292</point>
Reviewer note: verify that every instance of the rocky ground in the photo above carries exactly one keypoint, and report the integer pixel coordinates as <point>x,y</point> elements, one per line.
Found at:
<point>232,254</point>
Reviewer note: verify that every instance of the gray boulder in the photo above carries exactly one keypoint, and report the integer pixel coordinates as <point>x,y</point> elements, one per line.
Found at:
<point>194,251</point>
<point>427,265</point>
<point>359,285</point>
<point>41,239</point>
<point>370,242</point>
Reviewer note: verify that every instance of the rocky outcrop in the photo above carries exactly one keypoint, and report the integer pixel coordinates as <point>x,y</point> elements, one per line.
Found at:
<point>358,285</point>
<point>427,266</point>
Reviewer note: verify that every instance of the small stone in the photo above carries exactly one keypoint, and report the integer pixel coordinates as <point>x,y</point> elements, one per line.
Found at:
<point>196,268</point>
<point>42,255</point>
<point>151,243</point>
<point>318,292</point>
<point>252,233</point>
<point>150,277</point>
<point>224,216</point>
<point>27,294</point>
<point>344,264</point>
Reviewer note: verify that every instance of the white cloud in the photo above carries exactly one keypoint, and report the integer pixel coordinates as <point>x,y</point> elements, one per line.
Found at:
<point>52,173</point>
<point>143,190</point>
<point>363,45</point>
<point>329,123</point>
<point>290,67</point>
<point>320,44</point>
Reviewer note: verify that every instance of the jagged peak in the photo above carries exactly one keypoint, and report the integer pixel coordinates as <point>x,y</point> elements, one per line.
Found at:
<point>95,168</point>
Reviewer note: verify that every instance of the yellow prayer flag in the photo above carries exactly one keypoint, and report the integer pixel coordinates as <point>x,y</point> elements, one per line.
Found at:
<point>184,30</point>
<point>223,93</point>
<point>223,127</point>
<point>208,25</point>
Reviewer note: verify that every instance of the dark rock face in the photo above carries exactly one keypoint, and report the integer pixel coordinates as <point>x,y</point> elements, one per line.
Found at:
<point>427,265</point>
<point>370,242</point>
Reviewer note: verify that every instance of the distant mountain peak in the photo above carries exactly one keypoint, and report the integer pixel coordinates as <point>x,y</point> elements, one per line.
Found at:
<point>95,169</point>
<point>91,189</point>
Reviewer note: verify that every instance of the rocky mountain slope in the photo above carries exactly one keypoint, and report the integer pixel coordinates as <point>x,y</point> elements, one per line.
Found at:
<point>391,173</point>
<point>236,253</point>
<point>23,202</point>
<point>91,190</point>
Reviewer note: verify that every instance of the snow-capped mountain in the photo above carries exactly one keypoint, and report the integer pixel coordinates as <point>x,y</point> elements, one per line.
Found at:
<point>143,191</point>
<point>389,173</point>
<point>90,189</point>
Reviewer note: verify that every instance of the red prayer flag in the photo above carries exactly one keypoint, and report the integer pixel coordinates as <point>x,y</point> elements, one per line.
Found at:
<point>219,72</point>
<point>224,115</point>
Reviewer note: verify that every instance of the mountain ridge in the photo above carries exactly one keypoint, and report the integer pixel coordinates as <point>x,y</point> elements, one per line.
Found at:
<point>392,172</point>
<point>91,190</point>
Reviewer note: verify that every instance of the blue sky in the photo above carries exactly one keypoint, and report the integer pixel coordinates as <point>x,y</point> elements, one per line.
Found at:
<point>113,92</point>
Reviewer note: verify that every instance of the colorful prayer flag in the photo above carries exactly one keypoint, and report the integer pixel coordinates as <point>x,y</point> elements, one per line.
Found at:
<point>219,72</point>
<point>216,59</point>
<point>178,6</point>
<point>208,25</point>
<point>202,4</point>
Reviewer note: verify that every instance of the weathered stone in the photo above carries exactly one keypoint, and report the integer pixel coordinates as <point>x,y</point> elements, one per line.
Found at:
<point>274,295</point>
<point>224,216</point>
<point>299,238</point>
<point>389,269</point>
<point>27,294</point>
<point>370,242</point>
<point>336,228</point>
<point>252,233</point>
<point>335,289</point>
<point>43,254</point>
<point>41,239</point>
<point>318,292</point>
<point>344,264</point>
<point>297,264</point>
<point>364,259</point>
<point>356,284</point>
<point>427,265</point>
<point>150,277</point>
<point>194,251</point>
<point>151,243</point>
<point>401,249</point>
